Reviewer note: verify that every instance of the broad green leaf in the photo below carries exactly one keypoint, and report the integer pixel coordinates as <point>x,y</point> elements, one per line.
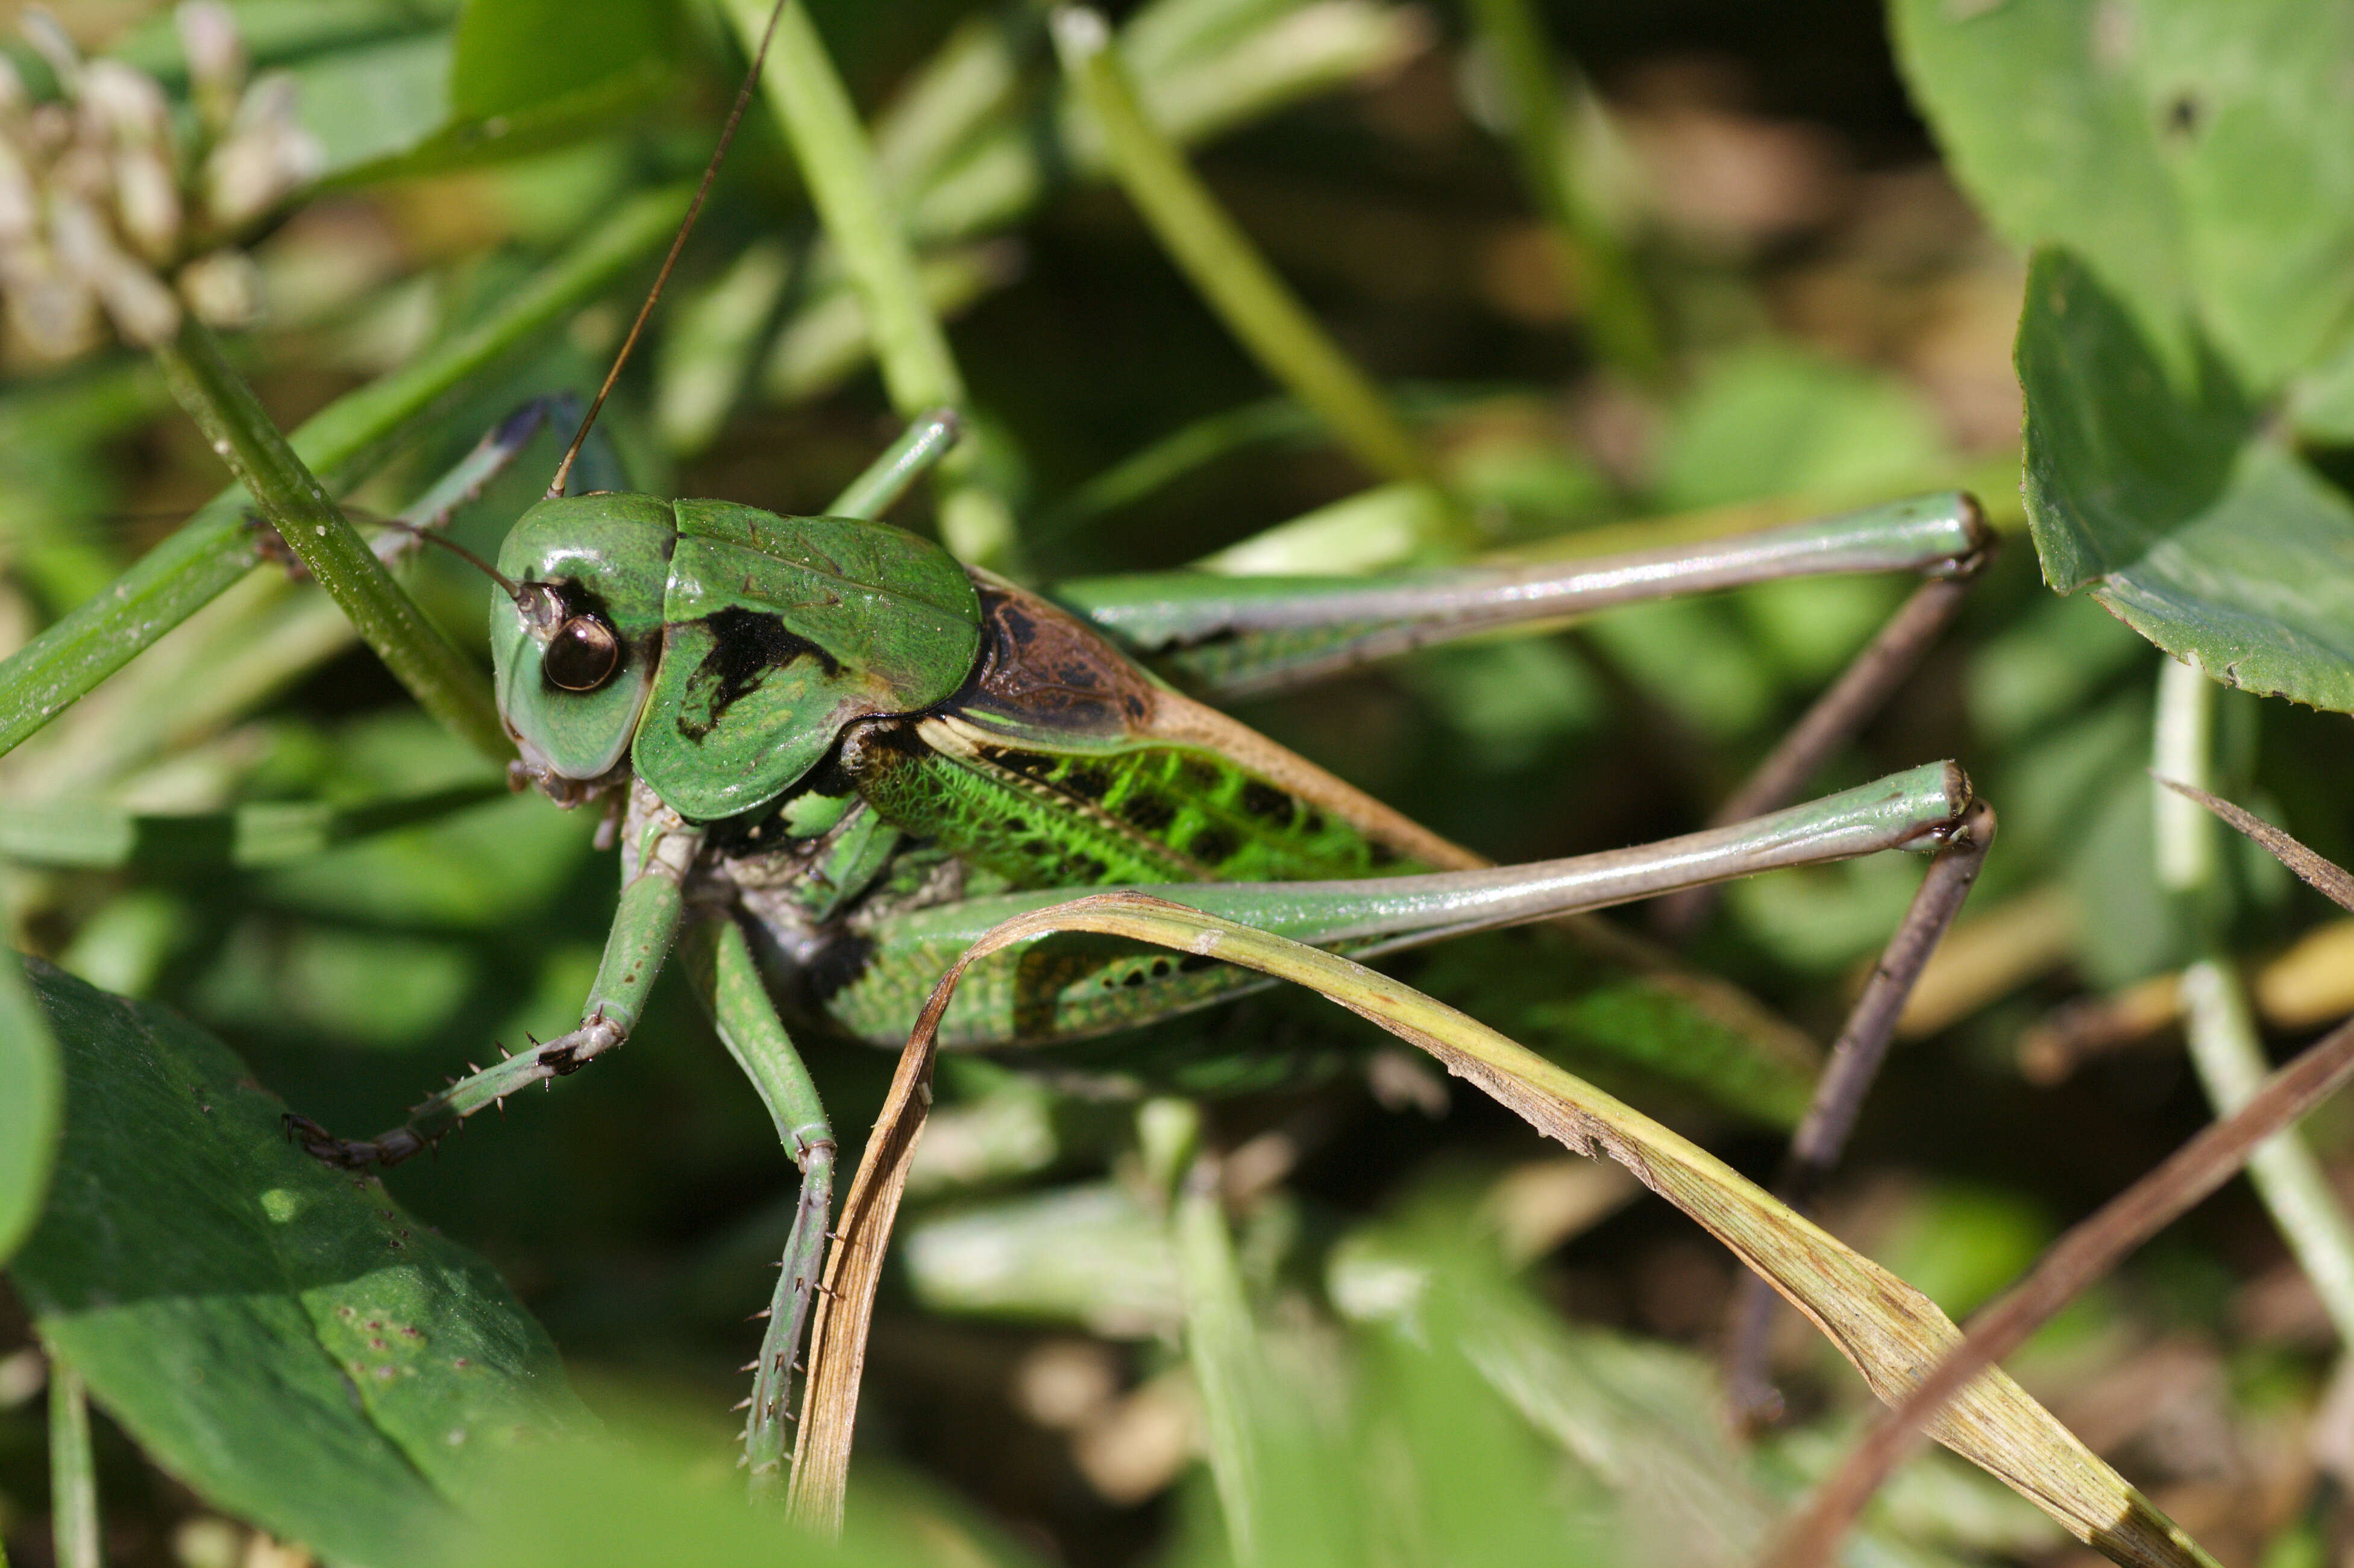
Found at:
<point>2197,152</point>
<point>278,1335</point>
<point>1773,421</point>
<point>515,77</point>
<point>2159,492</point>
<point>31,1097</point>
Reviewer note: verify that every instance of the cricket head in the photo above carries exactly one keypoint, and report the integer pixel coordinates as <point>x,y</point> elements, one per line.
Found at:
<point>575,647</point>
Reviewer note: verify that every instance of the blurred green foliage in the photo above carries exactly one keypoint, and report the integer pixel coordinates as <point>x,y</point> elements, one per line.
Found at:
<point>1834,327</point>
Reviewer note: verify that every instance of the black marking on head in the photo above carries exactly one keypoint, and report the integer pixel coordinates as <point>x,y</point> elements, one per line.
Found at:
<point>746,646</point>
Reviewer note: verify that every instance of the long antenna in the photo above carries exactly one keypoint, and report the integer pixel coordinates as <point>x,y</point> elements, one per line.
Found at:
<point>693,210</point>
<point>421,532</point>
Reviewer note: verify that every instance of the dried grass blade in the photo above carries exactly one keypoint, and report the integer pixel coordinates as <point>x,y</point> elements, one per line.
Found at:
<point>1888,1330</point>
<point>2325,876</point>
<point>2082,1256</point>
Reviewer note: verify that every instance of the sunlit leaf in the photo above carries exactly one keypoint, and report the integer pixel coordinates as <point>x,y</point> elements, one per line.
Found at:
<point>279,1336</point>
<point>2192,151</point>
<point>2157,492</point>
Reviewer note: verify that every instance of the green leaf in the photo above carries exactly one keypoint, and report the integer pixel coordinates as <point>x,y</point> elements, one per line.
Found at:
<point>515,55</point>
<point>1771,421</point>
<point>2159,492</point>
<point>2194,151</point>
<point>517,77</point>
<point>276,1334</point>
<point>30,1098</point>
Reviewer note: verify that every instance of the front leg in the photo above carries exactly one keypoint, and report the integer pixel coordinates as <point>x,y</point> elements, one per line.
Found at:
<point>749,1026</point>
<point>658,849</point>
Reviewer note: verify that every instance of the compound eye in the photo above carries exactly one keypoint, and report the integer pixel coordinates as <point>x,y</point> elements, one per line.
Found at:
<point>583,654</point>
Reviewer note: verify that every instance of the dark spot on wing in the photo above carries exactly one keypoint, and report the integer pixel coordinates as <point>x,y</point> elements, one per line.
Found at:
<point>1088,780</point>
<point>1212,846</point>
<point>1148,811</point>
<point>1029,763</point>
<point>1267,803</point>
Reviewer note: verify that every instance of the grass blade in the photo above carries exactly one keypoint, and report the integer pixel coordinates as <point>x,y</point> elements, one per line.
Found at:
<point>2324,876</point>
<point>1222,1350</point>
<point>1887,1329</point>
<point>819,123</point>
<point>1264,315</point>
<point>32,1106</point>
<point>73,1477</point>
<point>265,833</point>
<point>216,547</point>
<point>444,682</point>
<point>2084,1255</point>
<point>1602,284</point>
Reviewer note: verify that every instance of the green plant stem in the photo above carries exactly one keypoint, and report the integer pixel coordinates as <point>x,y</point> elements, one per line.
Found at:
<point>1222,1349</point>
<point>444,682</point>
<point>2216,1025</point>
<point>911,348</point>
<point>216,546</point>
<point>73,1477</point>
<point>1199,79</point>
<point>1256,306</point>
<point>1618,317</point>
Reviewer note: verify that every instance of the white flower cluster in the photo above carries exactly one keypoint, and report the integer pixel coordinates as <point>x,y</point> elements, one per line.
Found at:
<point>113,212</point>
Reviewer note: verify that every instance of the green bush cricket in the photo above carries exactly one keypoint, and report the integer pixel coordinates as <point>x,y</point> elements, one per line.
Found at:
<point>834,743</point>
<point>836,757</point>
